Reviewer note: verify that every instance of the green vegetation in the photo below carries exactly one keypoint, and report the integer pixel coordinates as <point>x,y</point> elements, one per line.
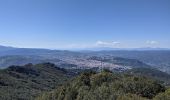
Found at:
<point>163,96</point>
<point>26,82</point>
<point>46,81</point>
<point>151,73</point>
<point>107,86</point>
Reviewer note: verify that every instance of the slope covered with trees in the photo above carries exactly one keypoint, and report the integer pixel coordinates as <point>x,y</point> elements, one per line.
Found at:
<point>106,86</point>
<point>163,96</point>
<point>26,82</point>
<point>151,73</point>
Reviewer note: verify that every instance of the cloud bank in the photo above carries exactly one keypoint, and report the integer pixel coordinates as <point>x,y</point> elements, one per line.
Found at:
<point>152,42</point>
<point>107,44</point>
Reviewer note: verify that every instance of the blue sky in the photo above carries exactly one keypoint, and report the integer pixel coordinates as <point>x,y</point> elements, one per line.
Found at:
<point>85,23</point>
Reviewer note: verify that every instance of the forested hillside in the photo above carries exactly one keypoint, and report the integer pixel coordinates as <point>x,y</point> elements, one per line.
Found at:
<point>150,73</point>
<point>47,81</point>
<point>108,86</point>
<point>26,82</point>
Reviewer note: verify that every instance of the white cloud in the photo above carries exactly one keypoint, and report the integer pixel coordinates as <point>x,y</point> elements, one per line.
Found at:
<point>115,43</point>
<point>152,42</point>
<point>96,44</point>
<point>107,44</point>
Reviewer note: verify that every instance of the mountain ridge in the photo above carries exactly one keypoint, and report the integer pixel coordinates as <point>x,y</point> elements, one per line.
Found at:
<point>28,81</point>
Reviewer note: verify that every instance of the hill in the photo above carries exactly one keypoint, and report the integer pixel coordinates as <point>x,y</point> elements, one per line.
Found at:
<point>18,60</point>
<point>5,48</point>
<point>26,82</point>
<point>75,62</point>
<point>151,73</point>
<point>124,62</point>
<point>159,59</point>
<point>6,61</point>
<point>106,86</point>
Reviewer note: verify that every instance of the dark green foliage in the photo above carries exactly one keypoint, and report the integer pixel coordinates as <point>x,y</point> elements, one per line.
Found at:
<point>106,70</point>
<point>130,97</point>
<point>151,73</point>
<point>106,86</point>
<point>163,96</point>
<point>26,82</point>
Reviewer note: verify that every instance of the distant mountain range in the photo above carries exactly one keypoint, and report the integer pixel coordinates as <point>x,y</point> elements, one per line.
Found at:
<point>6,48</point>
<point>108,49</point>
<point>158,58</point>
